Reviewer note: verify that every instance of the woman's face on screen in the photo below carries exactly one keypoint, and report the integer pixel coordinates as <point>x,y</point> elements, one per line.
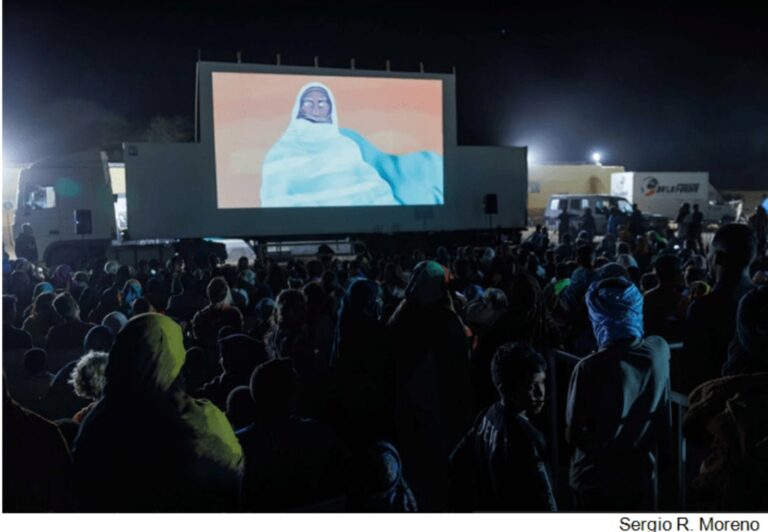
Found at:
<point>315,106</point>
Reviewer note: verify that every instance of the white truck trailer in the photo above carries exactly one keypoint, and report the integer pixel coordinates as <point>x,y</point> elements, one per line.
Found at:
<point>662,193</point>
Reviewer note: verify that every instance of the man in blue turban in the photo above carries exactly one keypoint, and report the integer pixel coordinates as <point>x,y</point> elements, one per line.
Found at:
<point>618,404</point>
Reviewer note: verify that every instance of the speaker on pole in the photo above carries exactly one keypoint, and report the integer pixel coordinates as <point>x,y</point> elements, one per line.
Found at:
<point>490,204</point>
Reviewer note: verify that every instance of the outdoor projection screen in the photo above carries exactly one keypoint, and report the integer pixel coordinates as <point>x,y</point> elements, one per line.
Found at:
<point>402,126</point>
<point>293,140</point>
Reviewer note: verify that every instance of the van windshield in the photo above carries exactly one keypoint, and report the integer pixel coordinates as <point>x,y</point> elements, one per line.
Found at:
<point>622,204</point>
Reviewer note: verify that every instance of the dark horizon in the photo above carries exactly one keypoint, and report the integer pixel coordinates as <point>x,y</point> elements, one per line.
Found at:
<point>652,89</point>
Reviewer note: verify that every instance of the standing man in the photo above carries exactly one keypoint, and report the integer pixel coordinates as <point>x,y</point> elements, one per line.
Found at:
<point>618,404</point>
<point>683,219</point>
<point>636,220</point>
<point>564,224</point>
<point>711,320</point>
<point>588,224</point>
<point>695,228</point>
<point>26,246</point>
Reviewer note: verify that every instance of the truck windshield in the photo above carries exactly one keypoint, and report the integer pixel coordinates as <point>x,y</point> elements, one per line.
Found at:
<point>40,198</point>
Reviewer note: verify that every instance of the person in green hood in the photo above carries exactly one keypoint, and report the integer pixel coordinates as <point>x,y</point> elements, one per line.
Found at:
<point>147,446</point>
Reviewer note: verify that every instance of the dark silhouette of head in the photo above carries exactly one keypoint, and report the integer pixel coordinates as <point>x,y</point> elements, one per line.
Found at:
<point>274,385</point>
<point>240,407</point>
<point>732,251</point>
<point>584,256</point>
<point>217,290</point>
<point>34,361</point>
<point>290,308</point>
<point>66,306</point>
<point>99,338</point>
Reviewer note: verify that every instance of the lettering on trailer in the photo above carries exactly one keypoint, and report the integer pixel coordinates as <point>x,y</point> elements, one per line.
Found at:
<point>651,187</point>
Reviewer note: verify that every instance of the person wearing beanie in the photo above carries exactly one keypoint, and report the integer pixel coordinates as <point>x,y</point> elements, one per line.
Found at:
<point>618,404</point>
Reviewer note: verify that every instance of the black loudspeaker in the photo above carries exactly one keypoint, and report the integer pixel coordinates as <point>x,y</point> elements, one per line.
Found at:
<point>490,204</point>
<point>83,224</point>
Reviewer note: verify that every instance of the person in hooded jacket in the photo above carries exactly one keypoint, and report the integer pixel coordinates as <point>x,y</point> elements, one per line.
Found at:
<point>378,484</point>
<point>147,446</point>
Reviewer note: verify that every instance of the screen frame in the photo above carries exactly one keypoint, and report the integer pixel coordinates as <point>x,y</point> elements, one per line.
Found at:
<point>171,188</point>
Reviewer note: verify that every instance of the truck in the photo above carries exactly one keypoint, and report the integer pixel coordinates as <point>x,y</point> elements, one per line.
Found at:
<point>79,206</point>
<point>77,215</point>
<point>662,193</point>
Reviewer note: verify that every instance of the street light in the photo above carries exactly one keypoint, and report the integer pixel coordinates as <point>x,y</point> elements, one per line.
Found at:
<point>596,156</point>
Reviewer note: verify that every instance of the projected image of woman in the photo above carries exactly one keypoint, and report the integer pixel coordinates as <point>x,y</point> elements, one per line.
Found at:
<point>313,164</point>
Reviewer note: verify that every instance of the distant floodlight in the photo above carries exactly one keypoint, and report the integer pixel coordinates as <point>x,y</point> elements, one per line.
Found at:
<point>596,156</point>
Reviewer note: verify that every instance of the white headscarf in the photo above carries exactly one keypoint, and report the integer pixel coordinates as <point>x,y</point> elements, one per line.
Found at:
<point>313,164</point>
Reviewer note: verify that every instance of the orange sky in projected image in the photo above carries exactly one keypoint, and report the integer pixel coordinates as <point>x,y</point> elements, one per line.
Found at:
<point>252,111</point>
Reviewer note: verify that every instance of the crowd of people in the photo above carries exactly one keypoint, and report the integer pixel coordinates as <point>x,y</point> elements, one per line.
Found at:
<point>407,382</point>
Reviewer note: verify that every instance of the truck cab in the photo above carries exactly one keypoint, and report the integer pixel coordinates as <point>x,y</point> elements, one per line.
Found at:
<point>68,201</point>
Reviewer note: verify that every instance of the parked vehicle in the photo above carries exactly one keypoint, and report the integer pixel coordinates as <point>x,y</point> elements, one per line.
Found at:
<point>600,205</point>
<point>663,193</point>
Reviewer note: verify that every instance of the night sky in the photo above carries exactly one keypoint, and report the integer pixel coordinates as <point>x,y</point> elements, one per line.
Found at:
<point>682,88</point>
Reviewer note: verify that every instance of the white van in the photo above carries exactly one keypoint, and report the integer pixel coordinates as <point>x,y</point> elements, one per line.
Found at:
<point>600,204</point>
